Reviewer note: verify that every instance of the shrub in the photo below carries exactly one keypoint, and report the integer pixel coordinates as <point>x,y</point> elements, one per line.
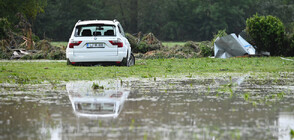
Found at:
<point>206,49</point>
<point>142,47</point>
<point>133,41</point>
<point>267,33</point>
<point>148,43</point>
<point>220,33</point>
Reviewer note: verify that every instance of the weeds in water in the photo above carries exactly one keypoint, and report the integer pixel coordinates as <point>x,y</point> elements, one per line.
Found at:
<point>132,125</point>
<point>100,123</point>
<point>208,89</point>
<point>145,136</point>
<point>96,86</point>
<point>236,134</point>
<point>280,95</point>
<point>228,88</point>
<point>268,99</point>
<point>292,133</point>
<point>246,96</point>
<point>189,76</point>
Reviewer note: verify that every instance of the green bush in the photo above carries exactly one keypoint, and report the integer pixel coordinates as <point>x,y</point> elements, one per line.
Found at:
<point>133,41</point>
<point>148,43</point>
<point>268,33</point>
<point>220,33</point>
<point>206,49</point>
<point>142,47</point>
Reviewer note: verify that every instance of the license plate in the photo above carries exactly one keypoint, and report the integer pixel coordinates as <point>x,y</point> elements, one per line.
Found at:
<point>95,45</point>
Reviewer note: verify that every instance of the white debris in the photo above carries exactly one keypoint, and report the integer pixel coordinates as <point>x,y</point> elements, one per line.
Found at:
<point>231,46</point>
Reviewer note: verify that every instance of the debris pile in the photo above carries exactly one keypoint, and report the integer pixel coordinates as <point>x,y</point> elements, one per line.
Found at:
<point>149,46</point>
<point>189,50</point>
<point>44,50</point>
<point>144,44</point>
<point>234,46</point>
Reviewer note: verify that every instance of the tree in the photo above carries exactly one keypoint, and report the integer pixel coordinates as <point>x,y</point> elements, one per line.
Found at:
<point>167,19</point>
<point>268,33</point>
<point>21,12</point>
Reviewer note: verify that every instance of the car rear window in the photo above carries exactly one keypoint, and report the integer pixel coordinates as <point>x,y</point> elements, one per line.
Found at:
<point>95,30</point>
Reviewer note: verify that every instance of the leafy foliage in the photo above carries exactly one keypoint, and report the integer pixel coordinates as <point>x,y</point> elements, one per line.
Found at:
<point>148,43</point>
<point>30,9</point>
<point>4,27</point>
<point>267,32</point>
<point>170,20</point>
<point>206,49</point>
<point>167,19</point>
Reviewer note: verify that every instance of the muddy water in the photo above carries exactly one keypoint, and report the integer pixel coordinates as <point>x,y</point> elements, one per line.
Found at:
<point>225,107</point>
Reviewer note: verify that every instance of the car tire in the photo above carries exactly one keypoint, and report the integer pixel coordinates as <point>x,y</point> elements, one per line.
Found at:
<point>129,62</point>
<point>132,60</point>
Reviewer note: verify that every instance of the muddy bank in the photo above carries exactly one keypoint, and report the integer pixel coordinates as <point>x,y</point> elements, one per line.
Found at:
<point>226,107</point>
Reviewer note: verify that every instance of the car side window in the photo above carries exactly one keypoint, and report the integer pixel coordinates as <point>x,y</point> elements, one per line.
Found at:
<point>121,30</point>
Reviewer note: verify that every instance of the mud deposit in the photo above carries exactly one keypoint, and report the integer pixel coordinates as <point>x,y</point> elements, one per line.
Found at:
<point>225,107</point>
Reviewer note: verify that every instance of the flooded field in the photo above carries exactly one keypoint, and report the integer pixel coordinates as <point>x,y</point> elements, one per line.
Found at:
<point>243,106</point>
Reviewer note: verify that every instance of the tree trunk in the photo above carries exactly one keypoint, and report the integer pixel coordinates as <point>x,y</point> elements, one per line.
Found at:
<point>29,39</point>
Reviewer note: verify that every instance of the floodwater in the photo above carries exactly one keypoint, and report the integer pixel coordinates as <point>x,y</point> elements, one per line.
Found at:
<point>245,107</point>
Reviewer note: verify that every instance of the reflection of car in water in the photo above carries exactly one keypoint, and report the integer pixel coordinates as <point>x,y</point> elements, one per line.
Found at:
<point>89,102</point>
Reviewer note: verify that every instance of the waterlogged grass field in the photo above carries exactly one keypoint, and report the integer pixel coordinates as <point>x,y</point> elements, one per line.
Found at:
<point>199,98</point>
<point>38,72</point>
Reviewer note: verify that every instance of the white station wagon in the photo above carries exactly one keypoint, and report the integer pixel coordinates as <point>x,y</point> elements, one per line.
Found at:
<point>99,41</point>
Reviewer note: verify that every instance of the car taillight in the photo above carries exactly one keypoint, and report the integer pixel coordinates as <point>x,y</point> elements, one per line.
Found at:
<point>74,43</point>
<point>117,42</point>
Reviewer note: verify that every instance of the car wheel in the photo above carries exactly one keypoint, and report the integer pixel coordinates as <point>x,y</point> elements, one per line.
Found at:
<point>132,60</point>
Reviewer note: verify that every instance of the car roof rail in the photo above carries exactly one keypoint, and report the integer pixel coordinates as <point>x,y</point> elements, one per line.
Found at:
<point>79,21</point>
<point>115,20</point>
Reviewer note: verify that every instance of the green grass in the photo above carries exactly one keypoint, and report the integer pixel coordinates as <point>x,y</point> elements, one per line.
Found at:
<point>38,72</point>
<point>59,44</point>
<point>171,44</point>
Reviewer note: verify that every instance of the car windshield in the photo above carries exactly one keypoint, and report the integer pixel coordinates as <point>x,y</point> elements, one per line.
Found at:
<point>95,30</point>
